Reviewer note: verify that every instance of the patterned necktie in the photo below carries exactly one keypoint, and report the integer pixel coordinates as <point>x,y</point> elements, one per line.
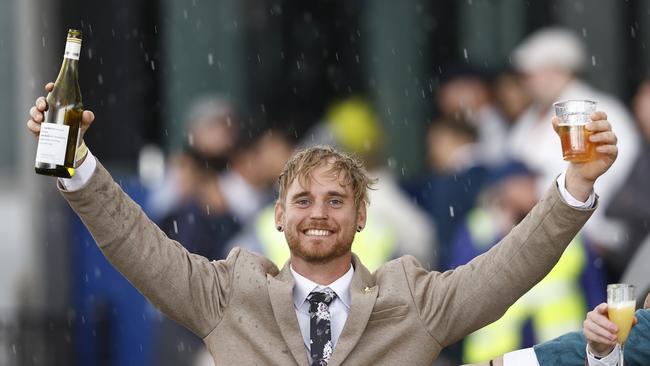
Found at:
<point>320,333</point>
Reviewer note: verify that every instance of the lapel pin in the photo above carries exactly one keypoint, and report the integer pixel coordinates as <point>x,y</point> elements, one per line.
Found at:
<point>367,290</point>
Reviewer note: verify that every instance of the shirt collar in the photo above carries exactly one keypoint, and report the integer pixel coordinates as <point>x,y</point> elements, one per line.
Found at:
<point>304,286</point>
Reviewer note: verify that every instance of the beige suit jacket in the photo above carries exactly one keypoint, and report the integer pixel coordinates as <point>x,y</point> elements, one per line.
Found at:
<point>242,306</point>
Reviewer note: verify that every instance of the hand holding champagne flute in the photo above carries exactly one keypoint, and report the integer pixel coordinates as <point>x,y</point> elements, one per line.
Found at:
<point>609,323</point>
<point>620,310</point>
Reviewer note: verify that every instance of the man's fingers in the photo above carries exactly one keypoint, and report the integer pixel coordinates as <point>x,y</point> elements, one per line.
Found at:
<point>555,121</point>
<point>607,149</point>
<point>41,104</point>
<point>601,309</point>
<point>598,115</point>
<point>34,127</point>
<point>598,334</point>
<point>607,137</point>
<point>36,115</point>
<point>87,117</point>
<point>49,86</point>
<point>599,125</point>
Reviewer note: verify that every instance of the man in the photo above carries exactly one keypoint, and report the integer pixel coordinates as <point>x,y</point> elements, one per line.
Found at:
<point>551,61</point>
<point>597,344</point>
<point>324,307</point>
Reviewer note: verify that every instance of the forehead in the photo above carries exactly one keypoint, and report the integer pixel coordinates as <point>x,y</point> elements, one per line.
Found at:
<point>322,178</point>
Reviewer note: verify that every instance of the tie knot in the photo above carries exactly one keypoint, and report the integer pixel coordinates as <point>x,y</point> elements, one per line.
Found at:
<point>325,296</point>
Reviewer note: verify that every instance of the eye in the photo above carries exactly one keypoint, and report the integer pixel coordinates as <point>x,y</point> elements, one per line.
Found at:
<point>335,202</point>
<point>303,202</point>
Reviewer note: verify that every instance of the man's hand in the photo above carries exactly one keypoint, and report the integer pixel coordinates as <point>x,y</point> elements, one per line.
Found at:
<point>600,332</point>
<point>580,177</point>
<point>37,115</point>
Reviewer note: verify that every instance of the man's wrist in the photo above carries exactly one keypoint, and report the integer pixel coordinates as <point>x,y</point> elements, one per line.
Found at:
<point>577,186</point>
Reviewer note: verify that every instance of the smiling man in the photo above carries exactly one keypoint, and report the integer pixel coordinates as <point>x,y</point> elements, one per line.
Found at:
<point>324,307</point>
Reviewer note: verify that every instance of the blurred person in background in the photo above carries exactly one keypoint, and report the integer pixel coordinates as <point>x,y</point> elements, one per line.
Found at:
<point>465,95</point>
<point>212,133</point>
<point>456,176</point>
<point>511,98</point>
<point>551,60</point>
<point>555,305</point>
<point>631,204</point>
<point>395,225</point>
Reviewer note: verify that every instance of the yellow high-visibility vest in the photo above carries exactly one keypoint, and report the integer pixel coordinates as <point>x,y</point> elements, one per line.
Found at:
<point>556,305</point>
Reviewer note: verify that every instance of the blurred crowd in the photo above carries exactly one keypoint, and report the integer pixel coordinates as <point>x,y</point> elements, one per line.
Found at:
<point>491,152</point>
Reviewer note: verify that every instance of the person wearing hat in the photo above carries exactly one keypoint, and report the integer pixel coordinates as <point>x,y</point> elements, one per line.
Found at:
<point>551,61</point>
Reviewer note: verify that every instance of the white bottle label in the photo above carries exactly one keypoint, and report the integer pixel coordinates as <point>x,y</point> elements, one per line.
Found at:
<point>52,143</point>
<point>72,49</point>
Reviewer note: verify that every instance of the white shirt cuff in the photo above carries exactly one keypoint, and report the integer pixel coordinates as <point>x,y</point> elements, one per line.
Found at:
<point>521,357</point>
<point>81,175</point>
<point>610,360</point>
<point>568,198</point>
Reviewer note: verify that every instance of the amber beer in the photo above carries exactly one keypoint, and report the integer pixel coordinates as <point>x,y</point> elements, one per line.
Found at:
<point>576,146</point>
<point>574,136</point>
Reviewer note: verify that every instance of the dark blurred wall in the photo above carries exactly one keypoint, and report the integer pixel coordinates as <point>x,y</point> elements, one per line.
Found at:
<point>120,68</point>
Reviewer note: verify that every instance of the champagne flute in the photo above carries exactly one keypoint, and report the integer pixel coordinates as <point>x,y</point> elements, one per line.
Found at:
<point>620,310</point>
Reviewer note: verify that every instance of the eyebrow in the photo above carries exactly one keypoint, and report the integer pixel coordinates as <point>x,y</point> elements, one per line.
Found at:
<point>329,194</point>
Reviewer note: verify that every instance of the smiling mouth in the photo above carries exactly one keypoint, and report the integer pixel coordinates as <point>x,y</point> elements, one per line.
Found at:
<point>317,232</point>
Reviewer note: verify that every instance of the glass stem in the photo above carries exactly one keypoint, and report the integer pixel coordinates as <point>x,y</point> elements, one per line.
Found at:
<point>620,354</point>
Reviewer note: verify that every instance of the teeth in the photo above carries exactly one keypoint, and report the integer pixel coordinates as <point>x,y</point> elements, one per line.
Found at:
<point>314,232</point>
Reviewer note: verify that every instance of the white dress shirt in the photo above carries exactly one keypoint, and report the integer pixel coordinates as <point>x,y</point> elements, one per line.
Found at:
<point>610,360</point>
<point>339,308</point>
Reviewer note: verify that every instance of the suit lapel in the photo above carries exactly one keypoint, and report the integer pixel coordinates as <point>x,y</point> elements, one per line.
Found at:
<point>363,293</point>
<point>281,294</point>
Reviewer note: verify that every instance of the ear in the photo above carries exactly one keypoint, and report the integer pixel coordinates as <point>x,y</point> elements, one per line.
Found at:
<point>361,215</point>
<point>279,214</point>
<point>646,305</point>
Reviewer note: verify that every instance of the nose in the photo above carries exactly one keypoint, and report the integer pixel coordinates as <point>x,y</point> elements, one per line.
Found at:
<point>319,211</point>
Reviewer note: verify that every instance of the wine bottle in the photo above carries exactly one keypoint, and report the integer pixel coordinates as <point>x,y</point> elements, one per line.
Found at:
<point>57,141</point>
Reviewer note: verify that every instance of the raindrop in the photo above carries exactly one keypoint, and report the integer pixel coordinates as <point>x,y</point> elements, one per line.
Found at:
<point>259,60</point>
<point>584,32</point>
<point>97,272</point>
<point>90,53</point>
<point>210,59</point>
<point>100,79</point>
<point>153,66</point>
<point>185,13</point>
<point>298,64</point>
<point>632,32</point>
<point>43,41</point>
<point>175,227</point>
<point>190,139</point>
<point>451,211</point>
<point>392,162</point>
<point>593,60</point>
<point>207,210</point>
<point>465,53</point>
